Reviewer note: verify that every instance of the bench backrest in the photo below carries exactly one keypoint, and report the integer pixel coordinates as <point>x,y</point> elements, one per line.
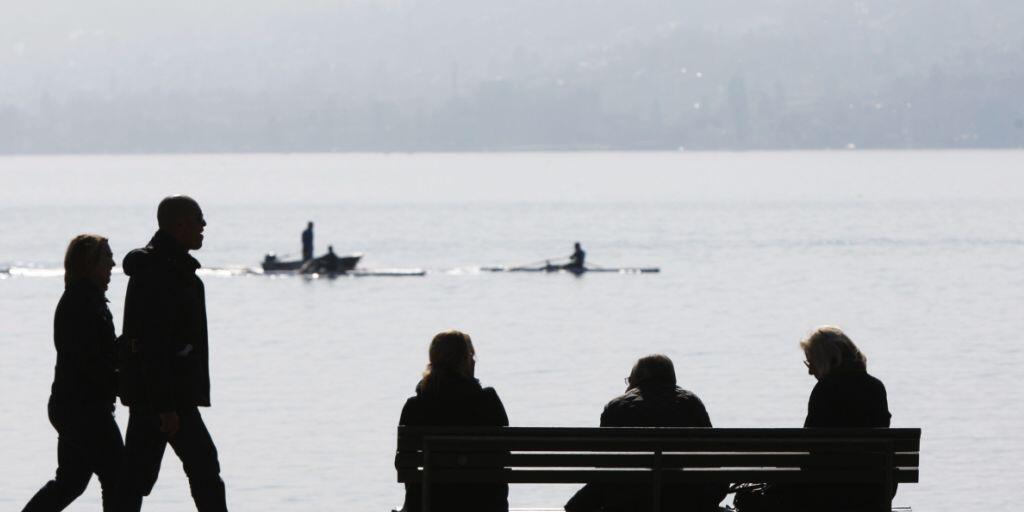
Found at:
<point>883,456</point>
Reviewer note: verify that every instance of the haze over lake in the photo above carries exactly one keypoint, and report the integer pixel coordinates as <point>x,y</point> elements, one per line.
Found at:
<point>918,255</point>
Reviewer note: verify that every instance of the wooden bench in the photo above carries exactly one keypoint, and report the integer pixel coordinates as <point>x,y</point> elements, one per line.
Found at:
<point>655,456</point>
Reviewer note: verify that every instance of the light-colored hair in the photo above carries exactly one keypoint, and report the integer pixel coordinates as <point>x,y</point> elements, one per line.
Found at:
<point>450,350</point>
<point>655,368</point>
<point>83,254</point>
<point>828,347</point>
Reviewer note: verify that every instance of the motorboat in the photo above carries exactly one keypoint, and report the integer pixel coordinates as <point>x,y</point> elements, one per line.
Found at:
<point>326,264</point>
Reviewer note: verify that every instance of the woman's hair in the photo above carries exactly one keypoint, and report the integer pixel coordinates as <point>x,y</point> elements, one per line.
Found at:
<point>450,351</point>
<point>83,254</point>
<point>828,347</point>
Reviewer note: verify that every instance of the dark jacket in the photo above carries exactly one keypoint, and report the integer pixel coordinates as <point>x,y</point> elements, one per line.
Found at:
<point>848,397</point>
<point>83,333</point>
<point>164,350</point>
<point>453,400</point>
<point>655,405</point>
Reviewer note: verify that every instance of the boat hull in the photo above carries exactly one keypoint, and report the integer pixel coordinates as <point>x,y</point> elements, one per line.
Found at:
<point>342,265</point>
<point>575,270</point>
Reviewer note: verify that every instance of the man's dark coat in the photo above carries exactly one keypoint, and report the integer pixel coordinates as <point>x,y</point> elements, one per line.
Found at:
<point>651,405</point>
<point>164,348</point>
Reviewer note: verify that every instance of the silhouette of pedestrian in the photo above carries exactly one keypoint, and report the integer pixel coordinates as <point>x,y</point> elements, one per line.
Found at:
<point>307,242</point>
<point>81,406</point>
<point>165,374</point>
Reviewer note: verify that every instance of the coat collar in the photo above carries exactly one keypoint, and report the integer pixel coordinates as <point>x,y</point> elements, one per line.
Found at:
<point>164,243</point>
<point>87,288</point>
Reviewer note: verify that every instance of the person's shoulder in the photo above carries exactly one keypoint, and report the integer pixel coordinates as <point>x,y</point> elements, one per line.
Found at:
<point>140,262</point>
<point>80,295</point>
<point>687,398</point>
<point>686,394</point>
<point>630,398</point>
<point>411,412</point>
<point>68,299</point>
<point>412,401</point>
<point>489,393</point>
<point>874,382</point>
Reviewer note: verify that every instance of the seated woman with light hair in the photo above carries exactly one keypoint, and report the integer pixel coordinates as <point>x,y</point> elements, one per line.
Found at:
<point>846,396</point>
<point>450,395</point>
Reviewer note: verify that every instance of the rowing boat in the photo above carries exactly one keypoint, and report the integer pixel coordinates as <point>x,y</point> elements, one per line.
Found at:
<point>575,270</point>
<point>341,265</point>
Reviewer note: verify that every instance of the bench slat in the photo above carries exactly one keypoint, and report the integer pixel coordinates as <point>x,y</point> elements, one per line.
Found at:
<point>668,460</point>
<point>766,433</point>
<point>645,476</point>
<point>620,444</point>
<point>912,436</point>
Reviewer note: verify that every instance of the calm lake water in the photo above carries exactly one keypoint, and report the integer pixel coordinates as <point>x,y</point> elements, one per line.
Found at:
<point>919,255</point>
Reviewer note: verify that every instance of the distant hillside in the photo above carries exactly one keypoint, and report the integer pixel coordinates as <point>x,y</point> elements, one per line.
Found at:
<point>119,76</point>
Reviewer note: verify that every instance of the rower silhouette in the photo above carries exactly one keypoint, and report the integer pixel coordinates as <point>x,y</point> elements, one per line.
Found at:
<point>307,242</point>
<point>577,259</point>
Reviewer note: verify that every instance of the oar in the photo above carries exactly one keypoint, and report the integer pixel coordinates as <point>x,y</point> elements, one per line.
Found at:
<point>538,262</point>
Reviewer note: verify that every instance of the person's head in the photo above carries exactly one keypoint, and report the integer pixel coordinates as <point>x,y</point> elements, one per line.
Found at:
<point>577,246</point>
<point>309,225</point>
<point>828,348</point>
<point>88,257</point>
<point>181,217</point>
<point>451,351</point>
<point>656,369</point>
<point>330,249</point>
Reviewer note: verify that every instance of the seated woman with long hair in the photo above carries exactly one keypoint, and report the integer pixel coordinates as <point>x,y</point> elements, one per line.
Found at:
<point>450,395</point>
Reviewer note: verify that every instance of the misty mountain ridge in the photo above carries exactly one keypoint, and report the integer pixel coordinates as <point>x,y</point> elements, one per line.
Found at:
<point>474,75</point>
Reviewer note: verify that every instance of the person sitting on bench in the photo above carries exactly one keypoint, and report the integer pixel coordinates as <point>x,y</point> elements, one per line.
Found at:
<point>846,396</point>
<point>652,399</point>
<point>450,395</point>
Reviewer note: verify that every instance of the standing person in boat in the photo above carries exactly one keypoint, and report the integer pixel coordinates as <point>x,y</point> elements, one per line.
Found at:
<point>307,242</point>
<point>450,395</point>
<point>81,407</point>
<point>165,374</point>
<point>577,259</point>
<point>846,396</point>
<point>652,399</point>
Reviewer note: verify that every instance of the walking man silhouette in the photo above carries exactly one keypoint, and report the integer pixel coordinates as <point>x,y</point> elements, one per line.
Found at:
<point>164,355</point>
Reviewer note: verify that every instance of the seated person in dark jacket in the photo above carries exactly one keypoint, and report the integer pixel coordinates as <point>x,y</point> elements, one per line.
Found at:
<point>652,399</point>
<point>846,396</point>
<point>449,395</point>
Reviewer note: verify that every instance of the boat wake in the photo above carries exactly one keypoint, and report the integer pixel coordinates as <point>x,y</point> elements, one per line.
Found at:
<point>19,271</point>
<point>41,271</point>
